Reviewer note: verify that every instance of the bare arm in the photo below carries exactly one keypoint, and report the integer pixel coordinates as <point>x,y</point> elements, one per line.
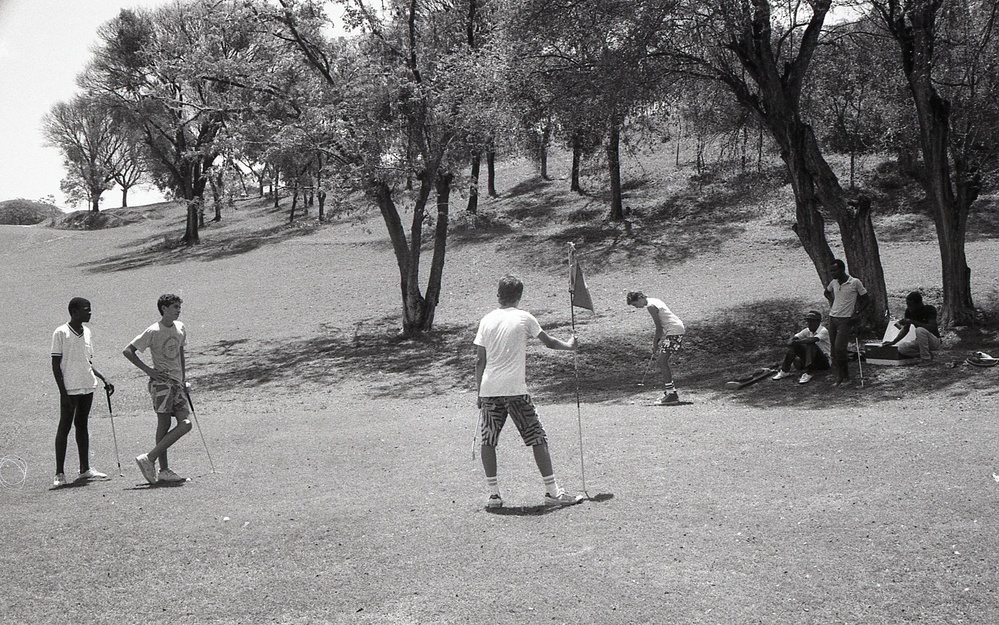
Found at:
<point>863,303</point>
<point>553,343</point>
<point>130,355</point>
<point>107,383</point>
<point>480,366</point>
<point>654,313</point>
<point>57,373</point>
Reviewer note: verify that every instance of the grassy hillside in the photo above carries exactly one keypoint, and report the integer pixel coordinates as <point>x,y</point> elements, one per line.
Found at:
<point>346,490</point>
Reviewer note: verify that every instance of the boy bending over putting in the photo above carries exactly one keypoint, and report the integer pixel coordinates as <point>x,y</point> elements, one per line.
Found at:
<point>501,379</point>
<point>666,342</point>
<point>165,341</point>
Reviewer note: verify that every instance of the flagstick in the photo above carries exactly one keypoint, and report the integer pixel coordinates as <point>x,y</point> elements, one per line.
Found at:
<point>579,416</point>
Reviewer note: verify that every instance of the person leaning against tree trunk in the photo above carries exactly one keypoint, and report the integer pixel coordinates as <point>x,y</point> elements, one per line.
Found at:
<point>847,297</point>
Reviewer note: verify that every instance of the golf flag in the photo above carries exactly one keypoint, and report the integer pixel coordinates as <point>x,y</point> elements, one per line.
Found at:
<point>577,284</point>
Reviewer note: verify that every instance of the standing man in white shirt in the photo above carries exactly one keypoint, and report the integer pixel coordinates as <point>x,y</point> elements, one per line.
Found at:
<point>847,297</point>
<point>501,380</point>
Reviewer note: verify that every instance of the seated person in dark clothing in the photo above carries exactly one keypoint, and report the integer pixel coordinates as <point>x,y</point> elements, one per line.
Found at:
<point>923,318</point>
<point>810,347</point>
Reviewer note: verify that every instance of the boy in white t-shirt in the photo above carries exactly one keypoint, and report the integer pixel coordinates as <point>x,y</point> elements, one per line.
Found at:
<point>75,375</point>
<point>501,380</point>
<point>165,341</point>
<point>666,343</point>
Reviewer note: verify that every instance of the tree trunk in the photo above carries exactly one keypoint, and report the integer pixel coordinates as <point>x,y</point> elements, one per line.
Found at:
<point>543,151</point>
<point>95,203</point>
<point>473,187</point>
<point>614,169</point>
<point>775,100</point>
<point>124,197</point>
<point>435,280</point>
<point>491,169</point>
<point>951,196</point>
<point>276,182</point>
<point>216,184</point>
<point>577,157</point>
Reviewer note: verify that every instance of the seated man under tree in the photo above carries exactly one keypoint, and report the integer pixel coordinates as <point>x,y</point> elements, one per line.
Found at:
<point>923,318</point>
<point>808,348</point>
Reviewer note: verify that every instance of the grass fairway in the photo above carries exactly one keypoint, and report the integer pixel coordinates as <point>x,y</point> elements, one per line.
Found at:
<point>346,491</point>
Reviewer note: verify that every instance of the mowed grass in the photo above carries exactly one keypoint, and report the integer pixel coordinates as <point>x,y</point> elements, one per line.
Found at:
<point>346,489</point>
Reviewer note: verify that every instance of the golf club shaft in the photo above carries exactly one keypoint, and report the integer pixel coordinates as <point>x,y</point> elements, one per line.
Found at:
<point>198,425</point>
<point>114,435</point>
<point>648,367</point>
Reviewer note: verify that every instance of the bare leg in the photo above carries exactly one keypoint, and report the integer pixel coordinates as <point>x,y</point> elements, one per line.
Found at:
<point>488,453</point>
<point>663,361</point>
<point>166,437</point>
<point>542,457</point>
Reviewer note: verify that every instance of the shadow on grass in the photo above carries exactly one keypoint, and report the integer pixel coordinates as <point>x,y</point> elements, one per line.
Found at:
<point>542,509</point>
<point>370,351</point>
<point>161,250</point>
<point>728,346</point>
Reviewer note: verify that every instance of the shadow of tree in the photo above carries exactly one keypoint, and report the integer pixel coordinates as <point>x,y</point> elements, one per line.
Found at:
<point>737,341</point>
<point>162,250</point>
<point>371,352</point>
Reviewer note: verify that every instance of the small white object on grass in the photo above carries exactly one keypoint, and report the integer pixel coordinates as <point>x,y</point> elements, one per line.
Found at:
<point>224,519</point>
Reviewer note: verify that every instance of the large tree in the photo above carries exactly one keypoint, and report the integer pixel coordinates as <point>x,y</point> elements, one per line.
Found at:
<point>762,50</point>
<point>180,75</point>
<point>84,130</point>
<point>599,61</point>
<point>950,58</point>
<point>401,87</point>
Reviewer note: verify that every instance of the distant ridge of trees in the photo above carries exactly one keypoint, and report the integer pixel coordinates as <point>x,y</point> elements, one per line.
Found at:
<point>21,212</point>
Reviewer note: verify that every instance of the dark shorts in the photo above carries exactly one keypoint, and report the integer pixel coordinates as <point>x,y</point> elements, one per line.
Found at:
<point>520,408</point>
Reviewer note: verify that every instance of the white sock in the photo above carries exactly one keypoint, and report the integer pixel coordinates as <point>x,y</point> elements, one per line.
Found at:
<point>493,484</point>
<point>551,486</point>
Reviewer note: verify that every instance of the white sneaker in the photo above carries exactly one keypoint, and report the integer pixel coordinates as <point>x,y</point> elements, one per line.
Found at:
<point>60,479</point>
<point>805,378</point>
<point>782,374</point>
<point>167,475</point>
<point>562,499</point>
<point>147,468</point>
<point>494,501</point>
<point>92,474</point>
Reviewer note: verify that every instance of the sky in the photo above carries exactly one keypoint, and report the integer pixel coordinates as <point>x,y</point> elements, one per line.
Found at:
<point>44,46</point>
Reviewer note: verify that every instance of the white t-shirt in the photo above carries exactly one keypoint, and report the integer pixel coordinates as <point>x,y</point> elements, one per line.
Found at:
<point>504,333</point>
<point>77,353</point>
<point>822,334</point>
<point>672,326</point>
<point>165,345</point>
<point>845,296</point>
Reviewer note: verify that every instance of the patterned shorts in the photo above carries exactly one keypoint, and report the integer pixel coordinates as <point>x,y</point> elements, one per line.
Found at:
<point>169,398</point>
<point>519,407</point>
<point>671,344</point>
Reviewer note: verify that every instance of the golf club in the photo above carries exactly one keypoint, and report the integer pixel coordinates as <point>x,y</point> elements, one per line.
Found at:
<point>195,417</point>
<point>108,390</point>
<point>648,368</point>
<point>860,364</point>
